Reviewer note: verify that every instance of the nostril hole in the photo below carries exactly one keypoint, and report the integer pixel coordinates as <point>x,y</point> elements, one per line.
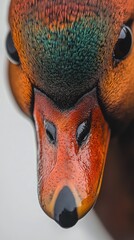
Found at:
<point>50,132</point>
<point>83,132</point>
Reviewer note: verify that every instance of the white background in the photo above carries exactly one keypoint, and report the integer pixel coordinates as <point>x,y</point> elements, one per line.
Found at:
<point>21,217</point>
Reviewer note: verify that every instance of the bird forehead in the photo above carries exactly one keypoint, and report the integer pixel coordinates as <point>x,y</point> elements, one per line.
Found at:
<point>59,35</point>
<point>65,58</point>
<point>62,44</point>
<point>51,29</point>
<point>51,10</point>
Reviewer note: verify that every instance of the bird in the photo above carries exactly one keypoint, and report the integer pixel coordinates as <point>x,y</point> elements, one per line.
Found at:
<point>71,71</point>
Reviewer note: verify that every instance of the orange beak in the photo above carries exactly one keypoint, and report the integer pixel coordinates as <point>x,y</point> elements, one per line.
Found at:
<point>72,147</point>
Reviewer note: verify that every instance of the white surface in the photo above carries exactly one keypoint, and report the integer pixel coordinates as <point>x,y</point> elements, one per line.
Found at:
<point>20,215</point>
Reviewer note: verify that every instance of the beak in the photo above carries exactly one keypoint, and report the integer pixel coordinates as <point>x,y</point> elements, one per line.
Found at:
<point>72,147</point>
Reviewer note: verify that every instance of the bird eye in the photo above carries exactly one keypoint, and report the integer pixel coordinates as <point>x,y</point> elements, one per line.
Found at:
<point>11,50</point>
<point>124,44</point>
<point>50,132</point>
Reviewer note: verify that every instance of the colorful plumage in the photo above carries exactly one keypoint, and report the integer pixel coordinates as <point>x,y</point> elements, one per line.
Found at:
<point>67,77</point>
<point>62,44</point>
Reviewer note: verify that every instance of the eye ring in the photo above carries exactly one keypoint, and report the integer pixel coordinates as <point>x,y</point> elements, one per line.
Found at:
<point>12,53</point>
<point>123,46</point>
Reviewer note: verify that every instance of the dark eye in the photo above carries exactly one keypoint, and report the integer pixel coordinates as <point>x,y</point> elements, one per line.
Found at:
<point>83,132</point>
<point>123,45</point>
<point>11,50</point>
<point>51,132</point>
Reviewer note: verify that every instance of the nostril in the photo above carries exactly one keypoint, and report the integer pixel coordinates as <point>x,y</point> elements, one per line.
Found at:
<point>83,132</point>
<point>50,132</point>
<point>65,212</point>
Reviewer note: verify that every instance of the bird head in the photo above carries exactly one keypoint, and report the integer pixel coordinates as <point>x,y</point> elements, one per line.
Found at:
<point>72,76</point>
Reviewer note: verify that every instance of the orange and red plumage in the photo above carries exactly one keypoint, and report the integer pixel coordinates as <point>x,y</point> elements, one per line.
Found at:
<point>65,49</point>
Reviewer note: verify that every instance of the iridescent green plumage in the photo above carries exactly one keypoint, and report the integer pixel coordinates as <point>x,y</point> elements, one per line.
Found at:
<point>63,48</point>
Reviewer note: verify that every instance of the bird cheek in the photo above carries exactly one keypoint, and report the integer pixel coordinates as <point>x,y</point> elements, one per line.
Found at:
<point>21,88</point>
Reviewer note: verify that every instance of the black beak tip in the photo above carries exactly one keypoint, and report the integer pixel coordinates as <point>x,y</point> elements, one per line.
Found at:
<point>65,212</point>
